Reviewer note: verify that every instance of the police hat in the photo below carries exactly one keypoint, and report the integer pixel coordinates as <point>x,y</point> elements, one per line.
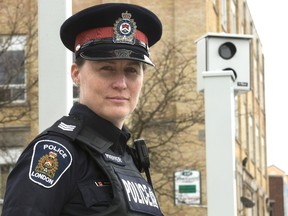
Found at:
<point>112,31</point>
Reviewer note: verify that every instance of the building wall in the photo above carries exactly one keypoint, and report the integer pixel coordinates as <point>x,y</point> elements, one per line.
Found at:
<point>19,19</point>
<point>278,188</point>
<point>18,119</point>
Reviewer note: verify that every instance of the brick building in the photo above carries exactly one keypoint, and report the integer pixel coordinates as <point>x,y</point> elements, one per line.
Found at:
<point>278,190</point>
<point>183,22</point>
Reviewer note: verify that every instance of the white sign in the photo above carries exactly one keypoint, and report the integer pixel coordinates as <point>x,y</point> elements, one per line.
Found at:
<point>187,187</point>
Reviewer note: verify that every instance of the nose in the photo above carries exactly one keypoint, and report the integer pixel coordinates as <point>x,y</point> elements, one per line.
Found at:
<point>120,82</point>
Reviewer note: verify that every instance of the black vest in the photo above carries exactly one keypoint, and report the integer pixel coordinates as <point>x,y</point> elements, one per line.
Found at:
<point>132,194</point>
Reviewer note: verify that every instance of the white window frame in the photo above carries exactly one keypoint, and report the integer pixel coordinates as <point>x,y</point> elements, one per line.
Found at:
<point>257,147</point>
<point>14,43</point>
<point>224,18</point>
<point>234,17</point>
<point>251,138</point>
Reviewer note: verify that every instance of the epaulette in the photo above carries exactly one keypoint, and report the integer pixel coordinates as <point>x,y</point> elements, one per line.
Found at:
<point>68,126</point>
<point>75,130</point>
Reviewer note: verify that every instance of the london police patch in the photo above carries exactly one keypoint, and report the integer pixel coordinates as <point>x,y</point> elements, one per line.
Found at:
<point>49,162</point>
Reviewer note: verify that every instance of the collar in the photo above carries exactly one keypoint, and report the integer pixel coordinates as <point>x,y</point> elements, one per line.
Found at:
<point>101,125</point>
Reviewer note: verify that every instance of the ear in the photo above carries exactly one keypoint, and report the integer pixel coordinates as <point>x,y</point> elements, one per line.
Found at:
<point>75,74</point>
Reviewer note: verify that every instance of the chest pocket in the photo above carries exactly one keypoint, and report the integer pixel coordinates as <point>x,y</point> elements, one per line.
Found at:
<point>96,192</point>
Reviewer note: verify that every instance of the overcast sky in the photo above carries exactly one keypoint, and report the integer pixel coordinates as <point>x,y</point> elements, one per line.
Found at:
<point>270,19</point>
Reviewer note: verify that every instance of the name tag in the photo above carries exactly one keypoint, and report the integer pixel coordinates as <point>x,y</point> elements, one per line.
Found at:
<point>139,195</point>
<point>114,159</point>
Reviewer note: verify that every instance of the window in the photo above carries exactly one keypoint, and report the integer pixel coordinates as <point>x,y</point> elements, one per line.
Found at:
<point>224,14</point>
<point>237,131</point>
<point>75,93</point>
<point>75,88</point>
<point>216,6</point>
<point>261,86</point>
<point>251,138</point>
<point>244,19</point>
<point>244,125</point>
<point>12,69</point>
<point>257,147</point>
<point>261,206</point>
<point>5,169</point>
<point>12,141</point>
<point>255,78</point>
<point>234,17</point>
<point>14,137</point>
<point>263,155</point>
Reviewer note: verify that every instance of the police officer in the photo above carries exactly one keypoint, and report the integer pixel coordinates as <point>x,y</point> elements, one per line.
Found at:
<point>82,165</point>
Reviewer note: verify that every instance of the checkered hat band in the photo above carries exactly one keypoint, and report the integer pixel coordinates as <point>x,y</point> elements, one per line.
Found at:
<point>101,33</point>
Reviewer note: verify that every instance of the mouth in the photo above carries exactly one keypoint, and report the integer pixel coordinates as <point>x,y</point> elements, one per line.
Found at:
<point>118,98</point>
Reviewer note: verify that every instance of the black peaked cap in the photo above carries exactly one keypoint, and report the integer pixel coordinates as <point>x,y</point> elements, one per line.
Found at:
<point>105,15</point>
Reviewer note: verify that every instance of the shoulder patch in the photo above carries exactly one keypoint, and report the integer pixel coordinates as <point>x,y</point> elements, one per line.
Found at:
<point>49,162</point>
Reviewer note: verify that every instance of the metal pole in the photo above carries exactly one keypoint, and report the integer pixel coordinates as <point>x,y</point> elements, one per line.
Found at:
<point>220,142</point>
<point>55,84</point>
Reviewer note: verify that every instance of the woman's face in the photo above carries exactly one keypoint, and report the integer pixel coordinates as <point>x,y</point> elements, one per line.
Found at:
<point>110,88</point>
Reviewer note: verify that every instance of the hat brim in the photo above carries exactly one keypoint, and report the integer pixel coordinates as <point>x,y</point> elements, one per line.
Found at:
<point>115,52</point>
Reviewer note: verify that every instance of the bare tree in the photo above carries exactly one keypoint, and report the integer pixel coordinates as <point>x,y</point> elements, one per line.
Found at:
<point>18,79</point>
<point>168,110</point>
<point>166,114</point>
<point>18,29</point>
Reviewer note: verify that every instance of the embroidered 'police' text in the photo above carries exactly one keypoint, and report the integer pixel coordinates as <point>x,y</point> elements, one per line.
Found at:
<point>114,159</point>
<point>140,193</point>
<point>56,149</point>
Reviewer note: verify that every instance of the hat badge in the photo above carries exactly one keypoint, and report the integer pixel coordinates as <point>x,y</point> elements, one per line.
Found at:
<point>125,29</point>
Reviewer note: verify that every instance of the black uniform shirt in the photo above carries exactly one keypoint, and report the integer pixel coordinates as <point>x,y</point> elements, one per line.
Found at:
<point>75,185</point>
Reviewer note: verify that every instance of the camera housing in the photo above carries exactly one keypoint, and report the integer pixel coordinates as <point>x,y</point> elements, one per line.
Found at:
<point>222,51</point>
